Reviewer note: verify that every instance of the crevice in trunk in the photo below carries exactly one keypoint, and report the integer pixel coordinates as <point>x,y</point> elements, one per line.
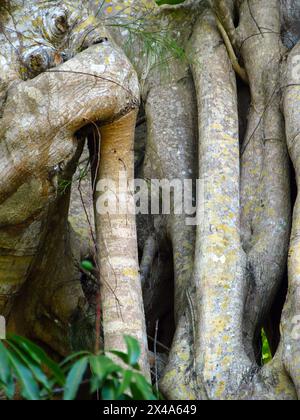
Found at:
<point>159,298</point>
<point>244,103</point>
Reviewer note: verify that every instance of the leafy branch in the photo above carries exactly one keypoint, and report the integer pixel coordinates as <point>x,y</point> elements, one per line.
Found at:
<point>26,369</point>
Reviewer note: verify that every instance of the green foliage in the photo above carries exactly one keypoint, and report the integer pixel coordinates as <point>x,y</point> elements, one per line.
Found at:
<point>266,351</point>
<point>82,173</point>
<point>87,265</point>
<point>64,185</point>
<point>157,45</point>
<point>26,367</point>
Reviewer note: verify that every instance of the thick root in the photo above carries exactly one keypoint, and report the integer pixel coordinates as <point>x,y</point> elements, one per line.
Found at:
<point>121,291</point>
<point>291,316</point>
<point>221,362</point>
<point>265,189</point>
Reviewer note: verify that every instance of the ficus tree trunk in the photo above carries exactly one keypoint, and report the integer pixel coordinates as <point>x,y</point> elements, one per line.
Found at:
<point>204,90</point>
<point>121,291</point>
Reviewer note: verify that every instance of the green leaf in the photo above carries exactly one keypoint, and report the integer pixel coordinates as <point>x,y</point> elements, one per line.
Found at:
<point>4,365</point>
<point>95,384</point>
<point>9,388</point>
<point>266,351</point>
<point>125,397</point>
<point>141,389</point>
<point>39,356</point>
<point>125,384</point>
<point>30,389</point>
<point>6,377</point>
<point>32,366</point>
<point>137,395</point>
<point>70,359</point>
<point>87,265</point>
<point>133,350</point>
<point>102,366</point>
<point>144,387</point>
<point>108,391</point>
<point>121,355</point>
<point>74,379</point>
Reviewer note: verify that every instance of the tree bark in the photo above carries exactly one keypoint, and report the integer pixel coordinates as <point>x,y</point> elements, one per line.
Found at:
<point>290,326</point>
<point>121,292</point>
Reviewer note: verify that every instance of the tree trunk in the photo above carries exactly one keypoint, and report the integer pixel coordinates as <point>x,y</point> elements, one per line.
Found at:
<point>121,292</point>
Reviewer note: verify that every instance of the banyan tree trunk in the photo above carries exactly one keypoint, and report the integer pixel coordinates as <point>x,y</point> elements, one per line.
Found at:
<point>121,292</point>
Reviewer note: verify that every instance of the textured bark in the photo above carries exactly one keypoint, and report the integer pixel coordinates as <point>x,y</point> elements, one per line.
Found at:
<point>121,291</point>
<point>175,162</point>
<point>265,192</point>
<point>40,118</point>
<point>220,262</point>
<point>290,325</point>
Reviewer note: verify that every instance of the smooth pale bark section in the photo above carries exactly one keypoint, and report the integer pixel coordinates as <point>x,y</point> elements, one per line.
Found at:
<point>291,315</point>
<point>265,189</point>
<point>220,261</point>
<point>121,292</point>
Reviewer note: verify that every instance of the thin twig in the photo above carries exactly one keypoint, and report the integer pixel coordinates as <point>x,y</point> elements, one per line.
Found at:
<point>159,343</point>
